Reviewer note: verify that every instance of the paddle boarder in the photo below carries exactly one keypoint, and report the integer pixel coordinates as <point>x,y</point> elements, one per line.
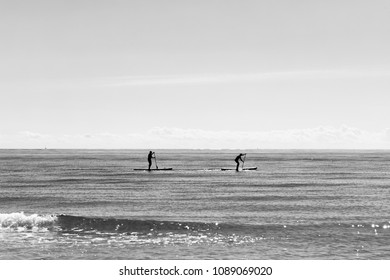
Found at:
<point>237,160</point>
<point>150,156</point>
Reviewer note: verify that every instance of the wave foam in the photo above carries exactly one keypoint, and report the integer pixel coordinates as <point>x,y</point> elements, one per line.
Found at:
<point>21,220</point>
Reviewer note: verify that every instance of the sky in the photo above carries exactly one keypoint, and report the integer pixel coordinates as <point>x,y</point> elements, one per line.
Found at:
<point>152,74</point>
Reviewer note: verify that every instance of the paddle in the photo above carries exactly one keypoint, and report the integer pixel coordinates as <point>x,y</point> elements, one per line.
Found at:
<point>155,159</point>
<point>243,162</point>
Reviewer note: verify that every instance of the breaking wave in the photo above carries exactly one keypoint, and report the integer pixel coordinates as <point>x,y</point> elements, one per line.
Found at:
<point>78,224</point>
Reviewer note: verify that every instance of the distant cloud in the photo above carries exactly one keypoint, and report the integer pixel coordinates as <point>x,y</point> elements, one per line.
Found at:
<point>32,135</point>
<point>321,137</point>
<point>387,135</point>
<point>197,79</point>
<point>242,77</point>
<point>163,137</point>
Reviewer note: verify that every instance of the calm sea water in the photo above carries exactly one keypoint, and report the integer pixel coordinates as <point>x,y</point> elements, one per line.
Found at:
<point>90,204</point>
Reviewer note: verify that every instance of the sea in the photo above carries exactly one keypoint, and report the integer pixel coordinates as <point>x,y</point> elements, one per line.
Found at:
<point>93,205</point>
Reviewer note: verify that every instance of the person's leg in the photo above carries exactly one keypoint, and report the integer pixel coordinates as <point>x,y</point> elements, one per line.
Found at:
<point>238,165</point>
<point>150,164</point>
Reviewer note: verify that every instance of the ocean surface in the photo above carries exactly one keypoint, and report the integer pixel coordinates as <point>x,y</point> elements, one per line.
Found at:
<point>91,204</point>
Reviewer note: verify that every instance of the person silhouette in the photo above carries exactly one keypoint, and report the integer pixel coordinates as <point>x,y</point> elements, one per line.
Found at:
<point>150,156</point>
<point>237,160</point>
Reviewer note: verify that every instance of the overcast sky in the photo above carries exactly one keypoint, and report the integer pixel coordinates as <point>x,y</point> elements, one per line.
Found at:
<point>195,74</point>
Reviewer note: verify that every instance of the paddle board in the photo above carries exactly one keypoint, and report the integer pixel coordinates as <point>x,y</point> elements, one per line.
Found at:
<point>153,169</point>
<point>247,168</point>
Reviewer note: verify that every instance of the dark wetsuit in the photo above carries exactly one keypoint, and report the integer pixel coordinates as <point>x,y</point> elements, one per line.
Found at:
<point>237,160</point>
<point>150,156</point>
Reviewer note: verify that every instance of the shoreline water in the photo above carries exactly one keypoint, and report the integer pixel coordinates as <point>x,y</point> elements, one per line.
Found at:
<point>301,205</point>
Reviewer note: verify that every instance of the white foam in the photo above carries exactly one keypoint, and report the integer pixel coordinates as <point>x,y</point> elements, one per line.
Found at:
<point>20,221</point>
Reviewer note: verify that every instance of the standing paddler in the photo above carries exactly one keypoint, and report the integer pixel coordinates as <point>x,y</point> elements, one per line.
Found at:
<point>150,156</point>
<point>237,160</point>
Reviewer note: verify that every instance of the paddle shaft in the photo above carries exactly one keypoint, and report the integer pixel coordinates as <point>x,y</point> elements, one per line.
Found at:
<point>155,159</point>
<point>243,162</point>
